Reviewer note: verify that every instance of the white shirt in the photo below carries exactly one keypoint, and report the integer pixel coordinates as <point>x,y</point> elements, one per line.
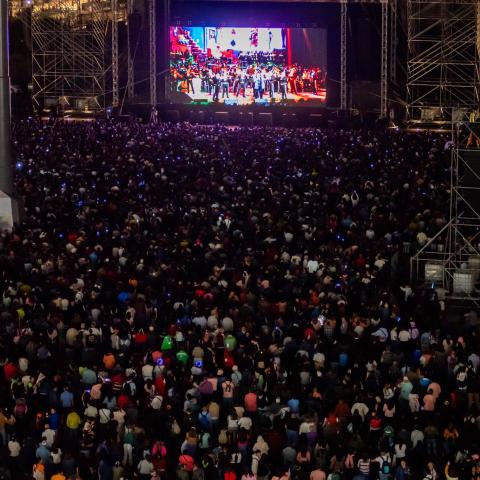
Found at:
<point>49,434</point>
<point>245,423</point>
<point>404,336</point>
<point>416,436</point>
<point>475,360</point>
<point>56,457</point>
<point>400,451</point>
<point>119,416</point>
<point>104,415</point>
<point>14,448</point>
<point>362,409</point>
<point>312,266</point>
<point>91,412</point>
<point>147,372</point>
<point>288,237</point>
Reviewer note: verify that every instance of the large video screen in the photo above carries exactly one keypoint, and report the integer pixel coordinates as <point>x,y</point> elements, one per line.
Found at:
<point>244,66</point>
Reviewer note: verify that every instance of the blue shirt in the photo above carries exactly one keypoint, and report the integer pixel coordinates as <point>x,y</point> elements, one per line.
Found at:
<point>294,405</point>
<point>44,453</point>
<point>54,420</point>
<point>66,399</point>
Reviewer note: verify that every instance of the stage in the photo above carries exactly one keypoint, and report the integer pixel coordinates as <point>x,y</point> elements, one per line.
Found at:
<point>204,98</point>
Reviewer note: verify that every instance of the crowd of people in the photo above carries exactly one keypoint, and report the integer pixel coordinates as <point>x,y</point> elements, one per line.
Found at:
<point>192,302</point>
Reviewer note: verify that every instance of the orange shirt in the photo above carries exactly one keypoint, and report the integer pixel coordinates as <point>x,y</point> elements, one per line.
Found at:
<point>109,361</point>
<point>59,476</point>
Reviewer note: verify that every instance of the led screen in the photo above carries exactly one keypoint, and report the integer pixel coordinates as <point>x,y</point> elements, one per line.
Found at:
<point>243,66</point>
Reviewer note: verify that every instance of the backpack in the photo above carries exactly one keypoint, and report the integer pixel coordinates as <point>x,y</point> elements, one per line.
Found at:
<point>204,421</point>
<point>386,467</point>
<point>205,440</point>
<point>129,437</point>
<point>222,437</point>
<point>228,387</point>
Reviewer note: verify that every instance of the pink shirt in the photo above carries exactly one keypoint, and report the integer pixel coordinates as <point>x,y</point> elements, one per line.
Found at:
<point>435,388</point>
<point>318,475</point>
<point>429,403</point>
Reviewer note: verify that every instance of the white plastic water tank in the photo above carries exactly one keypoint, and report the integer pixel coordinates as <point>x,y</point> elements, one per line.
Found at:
<point>474,266</point>
<point>433,272</point>
<point>463,282</point>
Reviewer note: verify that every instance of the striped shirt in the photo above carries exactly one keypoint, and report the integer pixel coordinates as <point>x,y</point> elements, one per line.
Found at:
<point>364,466</point>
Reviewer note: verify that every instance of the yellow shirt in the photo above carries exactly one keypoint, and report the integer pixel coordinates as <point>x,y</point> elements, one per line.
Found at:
<point>73,420</point>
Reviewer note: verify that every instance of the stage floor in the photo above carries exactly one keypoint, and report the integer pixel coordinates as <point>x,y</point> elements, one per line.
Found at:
<point>292,98</point>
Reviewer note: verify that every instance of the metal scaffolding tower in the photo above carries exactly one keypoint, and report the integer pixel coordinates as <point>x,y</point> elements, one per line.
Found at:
<point>393,40</point>
<point>384,61</point>
<point>343,55</point>
<point>443,58</point>
<point>387,63</point>
<point>115,85</point>
<point>130,59</point>
<point>451,259</point>
<point>166,44</point>
<point>152,21</point>
<point>68,54</point>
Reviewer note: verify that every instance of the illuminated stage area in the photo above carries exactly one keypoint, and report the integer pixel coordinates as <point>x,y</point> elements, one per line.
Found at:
<point>248,65</point>
<point>292,99</point>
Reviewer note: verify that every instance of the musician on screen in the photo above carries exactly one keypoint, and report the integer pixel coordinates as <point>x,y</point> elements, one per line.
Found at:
<point>225,84</point>
<point>283,84</point>
<point>269,83</point>
<point>241,84</point>
<point>189,74</point>
<point>216,86</point>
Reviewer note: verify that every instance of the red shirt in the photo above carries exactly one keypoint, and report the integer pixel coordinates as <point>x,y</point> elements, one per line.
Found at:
<point>251,402</point>
<point>160,386</point>
<point>123,400</point>
<point>141,338</point>
<point>10,371</point>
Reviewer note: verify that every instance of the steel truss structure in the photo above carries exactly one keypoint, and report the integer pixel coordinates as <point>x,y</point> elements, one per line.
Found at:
<point>130,54</point>
<point>343,55</point>
<point>388,45</point>
<point>384,61</point>
<point>152,22</point>
<point>451,259</point>
<point>68,53</point>
<point>115,80</point>
<point>443,68</point>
